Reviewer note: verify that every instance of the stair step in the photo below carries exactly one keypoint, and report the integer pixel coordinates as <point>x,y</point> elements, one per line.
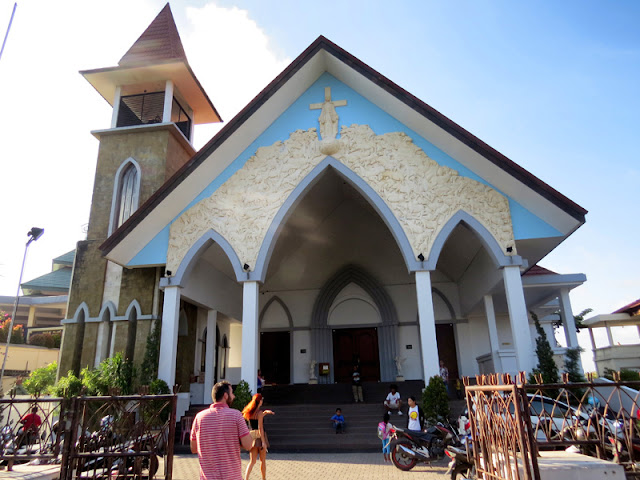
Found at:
<point>302,412</point>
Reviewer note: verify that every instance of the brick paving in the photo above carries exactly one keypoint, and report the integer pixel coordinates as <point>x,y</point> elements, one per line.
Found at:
<point>319,466</point>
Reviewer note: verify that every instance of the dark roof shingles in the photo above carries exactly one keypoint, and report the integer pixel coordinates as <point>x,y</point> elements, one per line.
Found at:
<point>160,42</point>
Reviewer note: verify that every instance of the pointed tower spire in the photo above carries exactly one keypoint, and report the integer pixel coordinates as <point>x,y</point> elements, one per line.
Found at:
<point>159,43</point>
<point>154,66</point>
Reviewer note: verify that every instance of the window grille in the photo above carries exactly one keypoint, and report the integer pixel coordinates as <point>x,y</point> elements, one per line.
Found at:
<point>181,119</point>
<point>143,109</point>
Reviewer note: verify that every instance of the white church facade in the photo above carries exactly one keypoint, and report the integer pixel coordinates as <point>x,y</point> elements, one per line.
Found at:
<point>337,219</point>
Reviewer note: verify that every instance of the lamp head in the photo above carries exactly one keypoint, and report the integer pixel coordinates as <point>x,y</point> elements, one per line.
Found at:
<point>35,233</point>
<point>421,257</point>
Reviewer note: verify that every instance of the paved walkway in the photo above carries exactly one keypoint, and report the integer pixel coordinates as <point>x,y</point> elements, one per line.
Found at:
<point>315,466</point>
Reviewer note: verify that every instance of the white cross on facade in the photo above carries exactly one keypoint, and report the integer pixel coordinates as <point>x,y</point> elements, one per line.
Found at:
<point>328,117</point>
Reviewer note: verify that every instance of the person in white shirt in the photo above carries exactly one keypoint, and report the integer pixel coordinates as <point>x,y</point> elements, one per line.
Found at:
<point>416,417</point>
<point>393,403</point>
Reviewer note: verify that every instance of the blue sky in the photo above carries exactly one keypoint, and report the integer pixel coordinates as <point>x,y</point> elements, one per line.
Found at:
<point>552,85</point>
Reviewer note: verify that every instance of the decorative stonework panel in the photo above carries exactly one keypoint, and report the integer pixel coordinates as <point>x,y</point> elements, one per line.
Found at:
<point>422,194</point>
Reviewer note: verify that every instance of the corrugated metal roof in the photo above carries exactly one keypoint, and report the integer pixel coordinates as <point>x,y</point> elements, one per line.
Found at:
<point>57,280</point>
<point>159,43</point>
<point>66,259</point>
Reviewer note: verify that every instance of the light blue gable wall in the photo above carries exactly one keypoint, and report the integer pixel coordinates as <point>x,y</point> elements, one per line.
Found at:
<point>358,111</point>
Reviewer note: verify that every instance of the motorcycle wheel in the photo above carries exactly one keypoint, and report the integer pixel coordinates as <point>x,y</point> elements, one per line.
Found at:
<point>401,460</point>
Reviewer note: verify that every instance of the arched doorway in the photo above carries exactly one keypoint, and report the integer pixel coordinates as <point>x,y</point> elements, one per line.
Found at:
<point>275,341</point>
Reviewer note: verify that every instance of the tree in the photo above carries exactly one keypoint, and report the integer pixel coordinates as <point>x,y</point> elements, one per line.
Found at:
<point>435,401</point>
<point>243,395</point>
<point>572,365</point>
<point>546,364</point>
<point>578,319</point>
<point>149,366</point>
<point>41,380</point>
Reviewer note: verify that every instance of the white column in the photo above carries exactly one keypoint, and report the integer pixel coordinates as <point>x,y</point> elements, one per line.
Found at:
<point>518,317</point>
<point>210,358</point>
<point>609,335</point>
<point>428,344</point>
<point>593,340</point>
<point>493,333</point>
<point>116,107</point>
<point>169,335</point>
<point>249,370</point>
<point>168,101</point>
<point>568,321</point>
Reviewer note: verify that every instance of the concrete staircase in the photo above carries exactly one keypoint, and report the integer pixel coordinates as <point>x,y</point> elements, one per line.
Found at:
<point>302,412</point>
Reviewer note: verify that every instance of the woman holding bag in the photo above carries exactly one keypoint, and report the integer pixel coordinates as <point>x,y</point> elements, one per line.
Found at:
<point>255,416</point>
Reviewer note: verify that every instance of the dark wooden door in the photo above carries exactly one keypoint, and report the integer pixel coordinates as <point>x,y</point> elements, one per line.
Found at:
<point>446,341</point>
<point>275,357</point>
<point>351,345</point>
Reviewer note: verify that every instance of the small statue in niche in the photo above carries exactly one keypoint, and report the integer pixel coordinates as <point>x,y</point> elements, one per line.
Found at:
<point>312,370</point>
<point>399,361</point>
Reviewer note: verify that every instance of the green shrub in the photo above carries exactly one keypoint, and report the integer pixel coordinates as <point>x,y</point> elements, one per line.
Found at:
<point>41,380</point>
<point>435,401</point>
<point>157,412</point>
<point>17,333</point>
<point>243,395</point>
<point>67,387</point>
<point>626,375</point>
<point>42,340</point>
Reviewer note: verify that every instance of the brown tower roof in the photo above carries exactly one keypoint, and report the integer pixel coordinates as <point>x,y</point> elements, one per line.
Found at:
<point>159,43</point>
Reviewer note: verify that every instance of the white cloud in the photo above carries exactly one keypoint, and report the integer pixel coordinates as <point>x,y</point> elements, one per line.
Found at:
<point>231,56</point>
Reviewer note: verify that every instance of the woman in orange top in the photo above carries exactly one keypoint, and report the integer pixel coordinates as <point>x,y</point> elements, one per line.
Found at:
<point>255,416</point>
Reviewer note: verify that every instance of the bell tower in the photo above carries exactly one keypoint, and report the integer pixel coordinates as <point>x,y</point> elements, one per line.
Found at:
<point>156,100</point>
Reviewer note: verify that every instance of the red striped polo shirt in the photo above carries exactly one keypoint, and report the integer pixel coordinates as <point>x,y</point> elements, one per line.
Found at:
<point>217,432</point>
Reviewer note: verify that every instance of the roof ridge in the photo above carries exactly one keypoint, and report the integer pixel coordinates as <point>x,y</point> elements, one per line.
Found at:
<point>158,43</point>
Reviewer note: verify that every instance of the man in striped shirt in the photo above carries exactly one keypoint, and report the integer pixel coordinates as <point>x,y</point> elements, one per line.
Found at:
<point>216,436</point>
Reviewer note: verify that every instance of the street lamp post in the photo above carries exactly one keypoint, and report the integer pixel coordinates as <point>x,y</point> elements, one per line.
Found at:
<point>34,234</point>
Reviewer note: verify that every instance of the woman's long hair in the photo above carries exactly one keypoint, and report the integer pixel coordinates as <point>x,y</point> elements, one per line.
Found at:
<point>252,406</point>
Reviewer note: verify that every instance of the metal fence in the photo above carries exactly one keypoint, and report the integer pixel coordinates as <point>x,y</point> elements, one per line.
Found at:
<point>512,420</point>
<point>30,429</point>
<point>113,437</point>
<point>597,418</point>
<point>501,430</point>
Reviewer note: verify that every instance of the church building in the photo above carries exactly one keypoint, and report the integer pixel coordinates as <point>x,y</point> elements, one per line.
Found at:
<point>336,220</point>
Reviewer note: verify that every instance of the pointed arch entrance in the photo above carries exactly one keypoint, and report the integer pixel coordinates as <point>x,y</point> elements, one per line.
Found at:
<point>276,344</point>
<point>369,343</point>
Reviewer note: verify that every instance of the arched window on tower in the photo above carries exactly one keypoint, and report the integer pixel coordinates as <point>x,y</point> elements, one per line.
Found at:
<point>126,190</point>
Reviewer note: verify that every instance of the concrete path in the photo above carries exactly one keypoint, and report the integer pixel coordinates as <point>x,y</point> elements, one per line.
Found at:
<point>316,466</point>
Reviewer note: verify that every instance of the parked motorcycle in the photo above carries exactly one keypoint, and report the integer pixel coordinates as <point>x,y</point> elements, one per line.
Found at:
<point>462,463</point>
<point>409,447</point>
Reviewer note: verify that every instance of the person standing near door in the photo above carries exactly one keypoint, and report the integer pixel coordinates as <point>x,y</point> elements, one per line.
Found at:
<point>356,385</point>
